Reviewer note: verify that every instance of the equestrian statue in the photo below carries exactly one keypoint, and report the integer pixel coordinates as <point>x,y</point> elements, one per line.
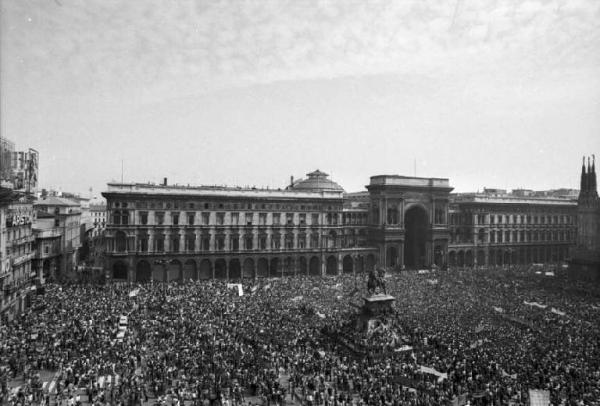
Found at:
<point>376,280</point>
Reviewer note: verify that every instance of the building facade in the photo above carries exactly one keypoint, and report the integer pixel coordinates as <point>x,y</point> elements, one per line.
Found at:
<point>59,216</point>
<point>586,256</point>
<point>504,229</point>
<point>17,253</point>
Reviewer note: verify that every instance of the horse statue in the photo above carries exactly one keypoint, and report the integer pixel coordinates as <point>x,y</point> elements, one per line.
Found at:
<point>376,281</point>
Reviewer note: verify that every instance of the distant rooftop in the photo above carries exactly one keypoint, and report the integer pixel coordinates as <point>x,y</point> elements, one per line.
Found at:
<point>56,201</point>
<point>214,191</point>
<point>511,199</point>
<point>409,181</point>
<point>316,181</point>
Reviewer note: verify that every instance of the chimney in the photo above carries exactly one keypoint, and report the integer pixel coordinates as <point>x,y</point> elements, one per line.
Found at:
<point>291,181</point>
<point>164,181</point>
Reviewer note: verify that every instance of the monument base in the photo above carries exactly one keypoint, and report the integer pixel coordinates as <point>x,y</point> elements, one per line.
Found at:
<point>374,307</point>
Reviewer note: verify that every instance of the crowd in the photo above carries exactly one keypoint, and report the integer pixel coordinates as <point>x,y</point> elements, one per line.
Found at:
<point>456,336</point>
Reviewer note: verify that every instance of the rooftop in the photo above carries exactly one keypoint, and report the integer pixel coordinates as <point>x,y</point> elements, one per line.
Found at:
<point>511,199</point>
<point>56,201</point>
<point>316,181</point>
<point>409,181</point>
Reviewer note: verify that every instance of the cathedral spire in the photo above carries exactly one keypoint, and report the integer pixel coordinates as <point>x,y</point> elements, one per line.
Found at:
<point>592,175</point>
<point>583,185</point>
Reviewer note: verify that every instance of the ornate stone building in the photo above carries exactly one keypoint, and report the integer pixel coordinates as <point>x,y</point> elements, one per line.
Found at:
<point>503,229</point>
<point>164,233</point>
<point>586,255</point>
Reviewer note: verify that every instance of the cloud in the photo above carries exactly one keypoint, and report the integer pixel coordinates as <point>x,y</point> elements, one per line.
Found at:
<point>185,46</point>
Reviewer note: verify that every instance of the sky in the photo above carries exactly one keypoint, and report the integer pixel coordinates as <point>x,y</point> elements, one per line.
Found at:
<point>501,94</point>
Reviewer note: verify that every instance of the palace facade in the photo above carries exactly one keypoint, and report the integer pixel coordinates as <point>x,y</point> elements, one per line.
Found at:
<point>313,227</point>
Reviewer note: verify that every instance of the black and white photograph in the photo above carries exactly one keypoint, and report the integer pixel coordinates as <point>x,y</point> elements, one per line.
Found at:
<point>299,203</point>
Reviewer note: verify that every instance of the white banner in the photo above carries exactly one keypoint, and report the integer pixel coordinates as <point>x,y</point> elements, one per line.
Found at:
<point>238,286</point>
<point>556,311</point>
<point>539,397</point>
<point>441,375</point>
<point>536,304</point>
<point>432,281</point>
<point>498,309</point>
<point>134,292</point>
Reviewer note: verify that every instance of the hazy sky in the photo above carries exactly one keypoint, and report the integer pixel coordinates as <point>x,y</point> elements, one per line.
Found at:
<point>487,93</point>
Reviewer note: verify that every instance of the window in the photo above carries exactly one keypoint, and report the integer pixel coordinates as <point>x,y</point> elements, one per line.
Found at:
<point>248,242</point>
<point>235,243</point>
<point>175,243</point>
<point>262,219</point>
<point>275,242</point>
<point>302,219</point>
<point>289,219</point>
<point>276,218</point>
<point>514,236</point>
<point>500,218</point>
<point>175,218</point>
<point>492,219</point>
<point>160,218</point>
<point>220,243</point>
<point>499,235</point>
<point>191,218</point>
<point>289,241</point>
<point>143,217</point>
<point>302,241</point>
<point>205,218</point>
<point>160,243</point>
<point>190,242</point>
<point>46,249</point>
<point>143,242</point>
<point>315,219</point>
<point>314,240</point>
<point>262,242</point>
<point>235,219</point>
<point>205,243</point>
<point>248,219</point>
<point>220,219</point>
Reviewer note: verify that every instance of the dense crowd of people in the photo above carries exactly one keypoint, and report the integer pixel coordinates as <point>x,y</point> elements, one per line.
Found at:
<point>484,336</point>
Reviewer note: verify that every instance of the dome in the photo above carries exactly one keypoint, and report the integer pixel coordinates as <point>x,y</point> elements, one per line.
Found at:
<point>317,181</point>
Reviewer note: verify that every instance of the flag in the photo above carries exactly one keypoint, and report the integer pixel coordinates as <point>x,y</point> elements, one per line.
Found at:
<point>254,288</point>
<point>556,311</point>
<point>432,281</point>
<point>538,397</point>
<point>498,309</point>
<point>459,400</point>
<point>403,348</point>
<point>321,315</point>
<point>267,286</point>
<point>134,292</point>
<point>237,286</point>
<point>549,274</point>
<point>297,298</point>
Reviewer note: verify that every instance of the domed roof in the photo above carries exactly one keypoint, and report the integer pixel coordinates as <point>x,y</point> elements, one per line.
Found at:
<point>317,181</point>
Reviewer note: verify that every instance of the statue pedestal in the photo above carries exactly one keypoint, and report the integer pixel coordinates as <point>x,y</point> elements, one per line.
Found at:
<point>374,307</point>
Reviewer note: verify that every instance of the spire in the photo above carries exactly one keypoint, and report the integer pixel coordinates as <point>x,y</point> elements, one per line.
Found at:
<point>592,175</point>
<point>583,185</point>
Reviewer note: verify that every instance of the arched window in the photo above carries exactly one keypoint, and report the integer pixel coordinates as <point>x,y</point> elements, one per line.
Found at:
<point>121,241</point>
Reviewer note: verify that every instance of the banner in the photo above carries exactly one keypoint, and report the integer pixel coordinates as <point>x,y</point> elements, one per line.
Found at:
<point>498,309</point>
<point>403,348</point>
<point>432,281</point>
<point>556,311</point>
<point>536,304</point>
<point>539,397</point>
<point>423,271</point>
<point>238,286</point>
<point>297,298</point>
<point>460,400</point>
<point>321,315</point>
<point>441,375</point>
<point>134,292</point>
<point>480,328</point>
<point>549,274</point>
<point>506,374</point>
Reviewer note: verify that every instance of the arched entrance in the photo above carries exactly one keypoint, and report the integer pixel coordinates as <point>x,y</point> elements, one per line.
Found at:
<point>302,266</point>
<point>189,271</point>
<point>469,258</point>
<point>360,265</point>
<point>461,258</point>
<point>248,268</point>
<point>262,270</point>
<point>235,269</point>
<point>452,258</point>
<point>143,272</point>
<point>274,270</point>
<point>120,270</point>
<point>391,256</point>
<point>174,271</point>
<point>315,267</point>
<point>347,264</point>
<point>331,265</point>
<point>416,226</point>
<point>205,269</point>
<point>480,257</point>
<point>158,272</point>
<point>220,269</point>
